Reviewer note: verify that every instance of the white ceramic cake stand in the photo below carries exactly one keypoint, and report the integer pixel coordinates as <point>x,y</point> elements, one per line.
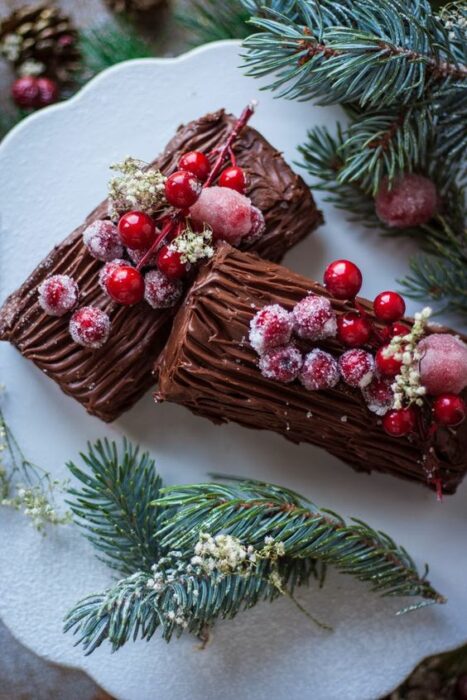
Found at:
<point>54,169</point>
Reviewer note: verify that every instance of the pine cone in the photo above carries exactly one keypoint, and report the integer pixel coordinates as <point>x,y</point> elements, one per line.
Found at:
<point>133,6</point>
<point>40,40</point>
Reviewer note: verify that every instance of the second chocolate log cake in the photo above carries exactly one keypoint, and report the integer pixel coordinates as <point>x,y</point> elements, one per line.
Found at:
<point>312,391</point>
<point>110,379</point>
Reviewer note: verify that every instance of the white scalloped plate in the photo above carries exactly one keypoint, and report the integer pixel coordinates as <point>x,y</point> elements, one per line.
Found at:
<point>53,171</point>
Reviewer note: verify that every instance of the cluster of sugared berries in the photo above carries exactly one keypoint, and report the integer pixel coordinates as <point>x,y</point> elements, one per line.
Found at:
<point>155,267</point>
<point>278,337</point>
<point>32,92</point>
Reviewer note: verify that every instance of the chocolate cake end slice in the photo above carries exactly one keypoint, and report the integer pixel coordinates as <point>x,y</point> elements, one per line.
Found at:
<point>209,366</point>
<point>110,380</point>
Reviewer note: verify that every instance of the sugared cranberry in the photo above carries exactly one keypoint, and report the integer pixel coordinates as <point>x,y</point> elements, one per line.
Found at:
<point>270,327</point>
<point>449,409</point>
<point>160,291</point>
<point>386,364</point>
<point>443,364</point>
<point>411,201</point>
<point>137,255</point>
<point>320,371</point>
<point>343,279</point>
<point>25,92</point>
<point>106,269</point>
<point>226,211</point>
<point>137,230</point>
<point>389,306</point>
<point>58,295</point>
<point>379,396</point>
<point>125,285</point>
<point>233,178</point>
<point>169,262</point>
<point>282,364</point>
<point>399,329</point>
<point>89,326</point>
<point>401,422</point>
<point>196,163</point>
<point>357,368</point>
<point>352,329</point>
<point>48,92</point>
<point>182,189</point>
<point>102,240</point>
<point>314,318</point>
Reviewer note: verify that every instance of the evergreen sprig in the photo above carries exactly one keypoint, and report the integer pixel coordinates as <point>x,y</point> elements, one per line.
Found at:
<point>150,534</point>
<point>252,511</point>
<point>113,505</point>
<point>374,53</point>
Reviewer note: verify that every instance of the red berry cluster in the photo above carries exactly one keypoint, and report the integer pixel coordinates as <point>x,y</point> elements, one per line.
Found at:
<point>148,240</point>
<point>314,319</point>
<point>33,92</point>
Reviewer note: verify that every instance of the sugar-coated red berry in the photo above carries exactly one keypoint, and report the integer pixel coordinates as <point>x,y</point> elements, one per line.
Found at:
<point>443,363</point>
<point>90,326</point>
<point>379,396</point>
<point>343,279</point>
<point>449,409</point>
<point>196,163</point>
<point>314,318</point>
<point>102,240</point>
<point>282,364</point>
<point>58,295</point>
<point>320,371</point>
<point>353,330</point>
<point>400,422</point>
<point>227,212</point>
<point>160,291</point>
<point>411,201</point>
<point>137,255</point>
<point>25,92</point>
<point>389,306</point>
<point>137,230</point>
<point>125,284</point>
<point>399,329</point>
<point>48,92</point>
<point>169,262</point>
<point>386,364</point>
<point>357,367</point>
<point>270,327</point>
<point>182,189</point>
<point>234,178</point>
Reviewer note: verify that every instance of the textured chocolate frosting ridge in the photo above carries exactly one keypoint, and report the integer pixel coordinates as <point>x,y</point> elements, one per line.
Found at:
<point>209,366</point>
<point>110,380</point>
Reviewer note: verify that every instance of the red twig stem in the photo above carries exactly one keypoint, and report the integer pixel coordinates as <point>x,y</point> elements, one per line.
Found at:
<point>227,147</point>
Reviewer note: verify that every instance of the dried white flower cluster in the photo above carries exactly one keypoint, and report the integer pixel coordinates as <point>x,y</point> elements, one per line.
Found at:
<point>192,245</point>
<point>136,188</point>
<point>407,387</point>
<point>34,503</point>
<point>227,555</point>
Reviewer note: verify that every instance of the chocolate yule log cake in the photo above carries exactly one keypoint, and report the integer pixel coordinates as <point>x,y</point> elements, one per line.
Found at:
<point>259,345</point>
<point>96,313</point>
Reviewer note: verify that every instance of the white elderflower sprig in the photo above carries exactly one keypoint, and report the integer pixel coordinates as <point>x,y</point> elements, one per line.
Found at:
<point>136,188</point>
<point>193,245</point>
<point>407,385</point>
<point>225,554</point>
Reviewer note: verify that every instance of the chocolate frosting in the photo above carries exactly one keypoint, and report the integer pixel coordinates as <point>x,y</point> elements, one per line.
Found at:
<point>110,380</point>
<point>209,366</point>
